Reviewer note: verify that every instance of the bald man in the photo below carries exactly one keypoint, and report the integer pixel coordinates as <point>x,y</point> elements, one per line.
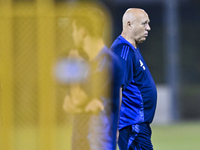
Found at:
<point>139,94</point>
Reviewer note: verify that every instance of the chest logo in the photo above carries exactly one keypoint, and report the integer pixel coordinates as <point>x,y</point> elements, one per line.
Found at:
<point>142,65</point>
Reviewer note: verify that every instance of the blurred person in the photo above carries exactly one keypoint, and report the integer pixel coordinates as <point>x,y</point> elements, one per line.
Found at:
<point>98,97</point>
<point>76,99</point>
<point>139,94</point>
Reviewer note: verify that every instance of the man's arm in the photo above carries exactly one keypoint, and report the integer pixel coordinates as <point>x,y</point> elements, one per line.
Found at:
<point>76,100</point>
<point>70,107</point>
<point>120,102</point>
<point>120,98</point>
<point>94,106</point>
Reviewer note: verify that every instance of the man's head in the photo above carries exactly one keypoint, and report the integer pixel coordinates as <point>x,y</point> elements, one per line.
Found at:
<point>88,28</point>
<point>89,21</point>
<point>77,34</point>
<point>135,25</point>
<point>82,27</point>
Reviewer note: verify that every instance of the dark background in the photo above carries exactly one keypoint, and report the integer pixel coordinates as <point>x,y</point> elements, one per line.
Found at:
<point>154,48</point>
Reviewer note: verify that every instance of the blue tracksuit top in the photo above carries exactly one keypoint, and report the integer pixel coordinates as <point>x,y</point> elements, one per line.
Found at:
<point>139,94</point>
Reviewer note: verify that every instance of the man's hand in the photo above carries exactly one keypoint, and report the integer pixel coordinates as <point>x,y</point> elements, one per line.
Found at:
<point>78,96</point>
<point>70,107</point>
<point>95,106</point>
<point>117,135</point>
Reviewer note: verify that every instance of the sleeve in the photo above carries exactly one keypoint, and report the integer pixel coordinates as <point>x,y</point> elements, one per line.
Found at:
<point>125,55</point>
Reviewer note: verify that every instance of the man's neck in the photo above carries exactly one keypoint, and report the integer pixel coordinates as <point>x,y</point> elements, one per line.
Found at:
<point>97,45</point>
<point>128,38</point>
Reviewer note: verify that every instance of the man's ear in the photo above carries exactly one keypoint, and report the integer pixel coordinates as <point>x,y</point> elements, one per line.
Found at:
<point>129,25</point>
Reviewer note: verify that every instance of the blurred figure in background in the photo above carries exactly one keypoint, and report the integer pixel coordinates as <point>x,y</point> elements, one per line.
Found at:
<point>95,101</point>
<point>139,94</point>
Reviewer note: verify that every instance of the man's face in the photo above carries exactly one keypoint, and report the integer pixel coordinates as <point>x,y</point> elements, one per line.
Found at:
<point>77,35</point>
<point>140,28</point>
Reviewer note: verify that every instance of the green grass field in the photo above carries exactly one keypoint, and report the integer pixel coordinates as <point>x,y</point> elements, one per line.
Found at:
<point>179,136</point>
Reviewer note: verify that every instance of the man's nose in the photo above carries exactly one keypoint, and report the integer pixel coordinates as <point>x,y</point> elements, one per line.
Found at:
<point>148,28</point>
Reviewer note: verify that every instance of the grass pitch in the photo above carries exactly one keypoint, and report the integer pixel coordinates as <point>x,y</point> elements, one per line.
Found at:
<point>179,136</point>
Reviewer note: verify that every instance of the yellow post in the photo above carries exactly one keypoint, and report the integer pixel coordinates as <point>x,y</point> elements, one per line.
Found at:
<point>46,58</point>
<point>6,76</point>
<point>25,77</point>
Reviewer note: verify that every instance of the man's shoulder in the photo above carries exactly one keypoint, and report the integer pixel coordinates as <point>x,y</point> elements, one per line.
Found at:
<point>106,55</point>
<point>106,52</point>
<point>124,51</point>
<point>121,47</point>
<point>120,43</point>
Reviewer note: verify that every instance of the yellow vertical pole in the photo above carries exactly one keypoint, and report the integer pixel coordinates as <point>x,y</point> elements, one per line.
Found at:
<point>6,76</point>
<point>46,57</point>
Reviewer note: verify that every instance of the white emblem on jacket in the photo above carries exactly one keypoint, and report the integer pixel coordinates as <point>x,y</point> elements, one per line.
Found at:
<point>142,65</point>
